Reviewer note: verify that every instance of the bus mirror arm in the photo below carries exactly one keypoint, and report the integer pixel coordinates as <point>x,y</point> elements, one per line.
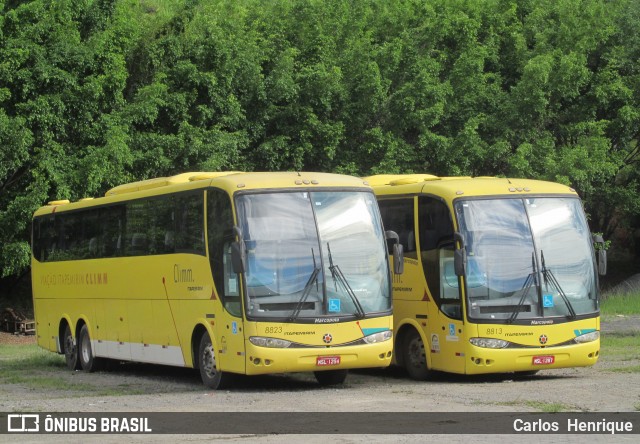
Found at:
<point>601,254</point>
<point>460,255</point>
<point>398,251</point>
<point>238,252</point>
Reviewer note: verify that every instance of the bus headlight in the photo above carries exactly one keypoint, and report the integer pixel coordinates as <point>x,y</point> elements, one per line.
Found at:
<point>378,337</point>
<point>269,342</point>
<point>588,337</point>
<point>489,342</point>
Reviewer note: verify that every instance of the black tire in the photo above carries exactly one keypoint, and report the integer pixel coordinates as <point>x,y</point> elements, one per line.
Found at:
<point>88,361</point>
<point>331,377</point>
<point>70,350</point>
<point>211,376</point>
<point>414,356</point>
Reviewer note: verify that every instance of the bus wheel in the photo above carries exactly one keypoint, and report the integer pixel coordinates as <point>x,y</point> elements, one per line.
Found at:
<point>211,376</point>
<point>88,362</point>
<point>331,377</point>
<point>415,356</point>
<point>70,350</point>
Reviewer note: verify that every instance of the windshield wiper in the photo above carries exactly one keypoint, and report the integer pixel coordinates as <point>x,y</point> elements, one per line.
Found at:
<point>307,289</point>
<point>337,273</point>
<point>548,276</point>
<point>531,280</point>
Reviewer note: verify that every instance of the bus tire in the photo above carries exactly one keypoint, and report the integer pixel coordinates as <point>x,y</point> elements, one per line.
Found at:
<point>331,377</point>
<point>88,361</point>
<point>211,376</point>
<point>414,356</point>
<point>70,350</point>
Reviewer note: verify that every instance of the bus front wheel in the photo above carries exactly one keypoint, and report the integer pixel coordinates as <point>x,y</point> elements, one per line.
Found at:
<point>415,356</point>
<point>70,350</point>
<point>331,377</point>
<point>88,361</point>
<point>211,376</point>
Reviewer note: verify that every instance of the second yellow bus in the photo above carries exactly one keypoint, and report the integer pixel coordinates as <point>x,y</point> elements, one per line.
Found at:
<point>500,275</point>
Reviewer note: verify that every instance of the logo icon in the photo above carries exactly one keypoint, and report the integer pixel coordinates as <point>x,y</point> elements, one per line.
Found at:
<point>23,423</point>
<point>327,338</point>
<point>543,339</point>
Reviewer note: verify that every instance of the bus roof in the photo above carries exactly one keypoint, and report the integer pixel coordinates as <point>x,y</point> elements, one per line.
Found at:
<point>455,187</point>
<point>230,181</point>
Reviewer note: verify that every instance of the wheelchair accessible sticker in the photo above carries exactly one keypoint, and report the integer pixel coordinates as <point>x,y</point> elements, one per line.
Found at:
<point>547,300</point>
<point>334,305</point>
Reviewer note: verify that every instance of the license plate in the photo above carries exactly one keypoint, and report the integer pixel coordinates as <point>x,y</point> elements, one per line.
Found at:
<point>327,360</point>
<point>543,360</point>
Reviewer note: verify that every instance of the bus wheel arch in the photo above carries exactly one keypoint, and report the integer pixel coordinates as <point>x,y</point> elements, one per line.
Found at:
<point>68,345</point>
<point>210,372</point>
<point>414,353</point>
<point>196,337</point>
<point>88,360</point>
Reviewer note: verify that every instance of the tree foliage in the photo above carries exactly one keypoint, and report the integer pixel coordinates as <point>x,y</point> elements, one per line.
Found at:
<point>94,93</point>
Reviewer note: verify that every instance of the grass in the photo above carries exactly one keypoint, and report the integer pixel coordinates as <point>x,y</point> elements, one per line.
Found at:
<point>547,407</point>
<point>38,369</point>
<point>620,304</point>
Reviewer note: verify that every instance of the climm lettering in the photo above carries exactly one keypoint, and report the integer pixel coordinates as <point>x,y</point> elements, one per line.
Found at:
<point>182,274</point>
<point>75,279</point>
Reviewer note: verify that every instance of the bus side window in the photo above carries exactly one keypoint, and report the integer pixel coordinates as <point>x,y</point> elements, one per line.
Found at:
<point>398,215</point>
<point>220,235</point>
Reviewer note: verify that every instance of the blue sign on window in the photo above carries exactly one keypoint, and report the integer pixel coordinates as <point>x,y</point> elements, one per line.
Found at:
<point>334,305</point>
<point>547,300</point>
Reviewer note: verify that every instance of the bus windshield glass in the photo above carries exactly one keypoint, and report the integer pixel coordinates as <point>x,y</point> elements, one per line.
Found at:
<point>527,259</point>
<point>313,254</point>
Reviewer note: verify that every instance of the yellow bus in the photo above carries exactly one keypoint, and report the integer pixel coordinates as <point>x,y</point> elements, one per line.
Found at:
<point>500,275</point>
<point>230,273</point>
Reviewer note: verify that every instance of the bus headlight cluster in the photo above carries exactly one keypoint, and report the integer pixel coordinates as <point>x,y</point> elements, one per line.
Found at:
<point>378,337</point>
<point>489,342</point>
<point>589,337</point>
<point>269,342</point>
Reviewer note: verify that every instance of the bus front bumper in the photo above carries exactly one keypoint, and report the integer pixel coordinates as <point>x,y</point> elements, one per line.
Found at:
<point>264,360</point>
<point>485,360</point>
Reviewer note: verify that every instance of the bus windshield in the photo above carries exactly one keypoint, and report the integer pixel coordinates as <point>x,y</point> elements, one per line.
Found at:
<point>313,254</point>
<point>527,259</point>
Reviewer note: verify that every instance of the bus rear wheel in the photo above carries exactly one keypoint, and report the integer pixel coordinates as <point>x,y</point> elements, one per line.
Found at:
<point>211,376</point>
<point>331,377</point>
<point>70,350</point>
<point>88,361</point>
<point>414,356</point>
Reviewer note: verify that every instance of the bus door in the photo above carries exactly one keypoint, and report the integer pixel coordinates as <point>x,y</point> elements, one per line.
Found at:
<point>228,324</point>
<point>446,333</point>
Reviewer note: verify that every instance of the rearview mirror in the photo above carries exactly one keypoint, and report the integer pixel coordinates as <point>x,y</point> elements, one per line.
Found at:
<point>601,254</point>
<point>397,251</point>
<point>238,252</point>
<point>460,255</point>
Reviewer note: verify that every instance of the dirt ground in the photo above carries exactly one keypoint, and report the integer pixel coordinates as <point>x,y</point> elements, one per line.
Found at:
<point>141,387</point>
<point>148,388</point>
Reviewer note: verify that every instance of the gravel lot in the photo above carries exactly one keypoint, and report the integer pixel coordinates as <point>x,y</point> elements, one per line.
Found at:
<point>148,388</point>
<point>159,388</point>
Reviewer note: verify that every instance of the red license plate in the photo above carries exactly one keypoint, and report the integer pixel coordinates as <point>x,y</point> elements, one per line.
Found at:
<point>543,360</point>
<point>327,360</point>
